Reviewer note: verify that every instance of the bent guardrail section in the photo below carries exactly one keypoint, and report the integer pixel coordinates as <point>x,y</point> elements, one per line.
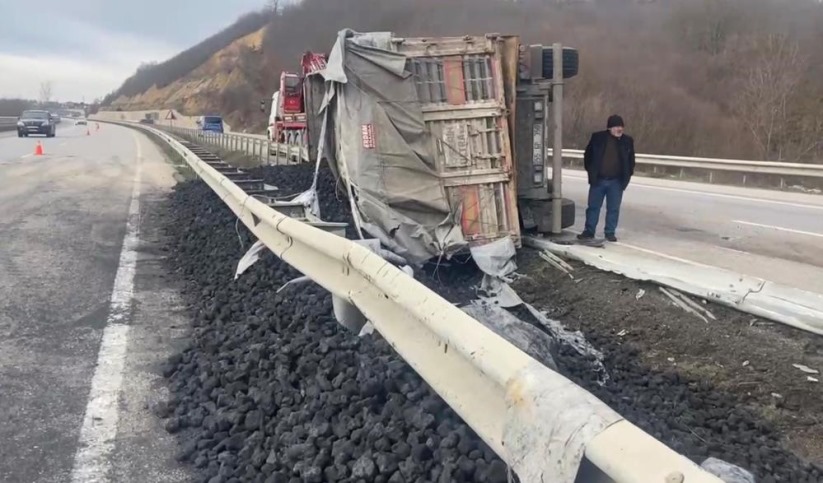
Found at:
<point>536,420</point>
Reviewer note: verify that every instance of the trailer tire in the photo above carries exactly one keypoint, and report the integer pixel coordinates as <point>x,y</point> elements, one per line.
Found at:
<point>567,213</point>
<point>571,62</point>
<point>537,214</point>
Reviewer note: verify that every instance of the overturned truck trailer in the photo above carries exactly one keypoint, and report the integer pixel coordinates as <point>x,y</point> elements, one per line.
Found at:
<point>425,137</point>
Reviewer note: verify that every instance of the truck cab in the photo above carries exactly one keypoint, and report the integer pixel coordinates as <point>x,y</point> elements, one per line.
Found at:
<point>288,117</point>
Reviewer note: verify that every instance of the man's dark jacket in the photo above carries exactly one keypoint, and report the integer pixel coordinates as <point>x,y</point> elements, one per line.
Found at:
<point>593,158</point>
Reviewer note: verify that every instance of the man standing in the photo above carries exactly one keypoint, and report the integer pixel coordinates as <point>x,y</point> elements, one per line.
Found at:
<point>609,161</point>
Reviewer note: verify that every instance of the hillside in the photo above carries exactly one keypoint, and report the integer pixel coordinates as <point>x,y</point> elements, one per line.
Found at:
<point>202,90</point>
<point>726,78</point>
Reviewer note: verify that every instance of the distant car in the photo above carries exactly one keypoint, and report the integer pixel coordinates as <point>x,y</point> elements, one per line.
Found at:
<point>211,123</point>
<point>80,122</point>
<point>146,121</point>
<point>36,122</point>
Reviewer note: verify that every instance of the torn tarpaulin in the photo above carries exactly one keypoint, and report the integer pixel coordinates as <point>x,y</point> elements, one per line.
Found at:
<point>526,337</point>
<point>249,258</point>
<point>496,261</point>
<point>383,149</point>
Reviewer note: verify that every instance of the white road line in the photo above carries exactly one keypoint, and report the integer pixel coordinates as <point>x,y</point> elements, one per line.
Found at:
<point>733,250</point>
<point>26,156</point>
<point>97,435</point>
<point>772,227</point>
<point>663,255</point>
<point>717,195</point>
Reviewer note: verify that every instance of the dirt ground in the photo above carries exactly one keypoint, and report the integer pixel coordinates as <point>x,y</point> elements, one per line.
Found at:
<point>749,358</point>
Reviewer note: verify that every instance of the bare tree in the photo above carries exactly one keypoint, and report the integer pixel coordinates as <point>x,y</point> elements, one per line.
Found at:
<point>708,24</point>
<point>45,92</point>
<point>767,93</point>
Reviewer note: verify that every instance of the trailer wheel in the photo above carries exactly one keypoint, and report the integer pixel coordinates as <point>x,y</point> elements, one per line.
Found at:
<point>571,62</point>
<point>537,214</point>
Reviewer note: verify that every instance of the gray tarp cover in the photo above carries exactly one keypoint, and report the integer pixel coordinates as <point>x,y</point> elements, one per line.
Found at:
<point>400,199</point>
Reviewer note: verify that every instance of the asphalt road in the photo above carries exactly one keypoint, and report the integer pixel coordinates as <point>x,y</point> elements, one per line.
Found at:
<point>63,217</point>
<point>769,234</point>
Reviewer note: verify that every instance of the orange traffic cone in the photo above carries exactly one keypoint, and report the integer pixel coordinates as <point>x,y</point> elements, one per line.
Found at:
<point>38,151</point>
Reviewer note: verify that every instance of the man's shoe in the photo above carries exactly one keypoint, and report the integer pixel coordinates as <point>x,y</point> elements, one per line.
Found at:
<point>585,236</point>
<point>611,238</point>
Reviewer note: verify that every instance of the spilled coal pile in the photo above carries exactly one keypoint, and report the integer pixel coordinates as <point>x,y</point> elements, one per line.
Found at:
<point>272,389</point>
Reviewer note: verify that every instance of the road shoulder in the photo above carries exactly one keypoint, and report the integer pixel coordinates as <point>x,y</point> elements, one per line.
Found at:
<point>144,451</point>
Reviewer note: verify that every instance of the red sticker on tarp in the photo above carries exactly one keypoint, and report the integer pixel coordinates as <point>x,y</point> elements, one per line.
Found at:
<point>367,131</point>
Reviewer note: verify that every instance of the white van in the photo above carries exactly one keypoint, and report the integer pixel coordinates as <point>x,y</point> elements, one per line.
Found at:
<point>275,108</point>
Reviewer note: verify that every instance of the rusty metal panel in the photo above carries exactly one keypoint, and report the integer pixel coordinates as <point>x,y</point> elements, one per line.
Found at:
<point>460,84</point>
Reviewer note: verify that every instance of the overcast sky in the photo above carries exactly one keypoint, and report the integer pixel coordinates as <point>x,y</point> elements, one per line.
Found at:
<point>87,48</point>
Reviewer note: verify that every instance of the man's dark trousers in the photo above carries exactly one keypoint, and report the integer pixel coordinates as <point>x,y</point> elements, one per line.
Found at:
<point>610,189</point>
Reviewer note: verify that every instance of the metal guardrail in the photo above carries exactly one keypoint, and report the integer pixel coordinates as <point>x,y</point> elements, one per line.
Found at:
<point>8,123</point>
<point>252,144</point>
<point>712,165</point>
<point>768,167</point>
<point>540,423</point>
<point>273,153</point>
